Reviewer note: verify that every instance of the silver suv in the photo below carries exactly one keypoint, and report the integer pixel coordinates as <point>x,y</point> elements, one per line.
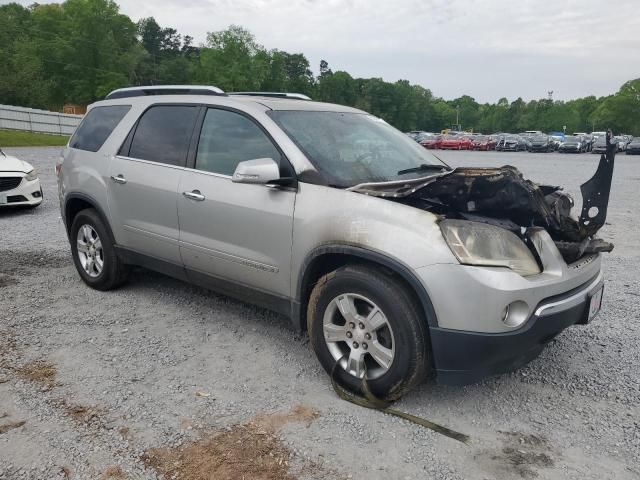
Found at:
<point>398,266</point>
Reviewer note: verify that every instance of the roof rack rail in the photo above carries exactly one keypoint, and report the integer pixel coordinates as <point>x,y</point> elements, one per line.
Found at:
<point>294,96</point>
<point>164,90</point>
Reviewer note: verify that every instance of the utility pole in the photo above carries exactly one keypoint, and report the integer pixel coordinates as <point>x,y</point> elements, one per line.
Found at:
<point>457,114</point>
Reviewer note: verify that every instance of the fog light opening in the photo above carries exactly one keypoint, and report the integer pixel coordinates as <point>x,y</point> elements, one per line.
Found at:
<point>515,314</point>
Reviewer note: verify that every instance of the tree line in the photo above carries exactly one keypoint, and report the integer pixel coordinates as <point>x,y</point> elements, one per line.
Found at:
<point>79,50</point>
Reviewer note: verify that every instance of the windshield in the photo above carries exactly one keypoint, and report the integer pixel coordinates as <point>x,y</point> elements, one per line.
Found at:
<point>352,148</point>
<point>571,140</point>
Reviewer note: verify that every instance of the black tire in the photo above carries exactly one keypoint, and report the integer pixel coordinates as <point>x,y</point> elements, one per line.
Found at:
<point>411,362</point>
<point>114,273</point>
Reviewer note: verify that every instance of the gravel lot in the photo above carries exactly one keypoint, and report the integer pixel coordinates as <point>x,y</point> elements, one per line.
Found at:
<point>101,378</point>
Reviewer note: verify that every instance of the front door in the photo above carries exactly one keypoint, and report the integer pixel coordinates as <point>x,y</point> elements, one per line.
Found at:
<point>144,181</point>
<point>232,231</point>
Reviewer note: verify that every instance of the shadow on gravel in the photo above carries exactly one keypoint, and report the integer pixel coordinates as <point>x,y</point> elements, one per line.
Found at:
<point>12,212</point>
<point>6,280</point>
<point>25,262</point>
<point>141,280</point>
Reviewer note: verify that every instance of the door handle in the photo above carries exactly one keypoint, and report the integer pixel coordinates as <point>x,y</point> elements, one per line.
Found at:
<point>119,179</point>
<point>194,195</point>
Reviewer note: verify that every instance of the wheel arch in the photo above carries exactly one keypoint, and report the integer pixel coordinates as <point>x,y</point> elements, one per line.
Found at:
<point>75,203</point>
<point>327,258</point>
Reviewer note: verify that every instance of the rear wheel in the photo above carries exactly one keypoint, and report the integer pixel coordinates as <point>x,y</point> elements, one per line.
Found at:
<point>93,252</point>
<point>365,321</point>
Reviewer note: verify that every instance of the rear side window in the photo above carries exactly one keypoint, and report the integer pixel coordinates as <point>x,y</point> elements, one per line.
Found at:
<point>228,138</point>
<point>163,134</point>
<point>96,127</point>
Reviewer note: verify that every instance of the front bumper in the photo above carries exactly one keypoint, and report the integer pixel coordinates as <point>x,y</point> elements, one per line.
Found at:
<point>491,320</point>
<point>461,357</point>
<point>25,194</point>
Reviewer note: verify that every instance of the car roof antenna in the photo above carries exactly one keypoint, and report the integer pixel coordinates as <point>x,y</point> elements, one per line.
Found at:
<point>2,152</point>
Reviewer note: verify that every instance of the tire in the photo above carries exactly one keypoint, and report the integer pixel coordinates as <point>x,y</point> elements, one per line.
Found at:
<point>404,335</point>
<point>97,261</point>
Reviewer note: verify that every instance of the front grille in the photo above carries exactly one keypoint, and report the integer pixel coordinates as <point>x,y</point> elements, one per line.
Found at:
<point>9,183</point>
<point>16,199</point>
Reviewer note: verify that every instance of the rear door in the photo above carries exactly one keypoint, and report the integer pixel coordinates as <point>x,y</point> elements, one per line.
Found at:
<point>233,231</point>
<point>144,181</point>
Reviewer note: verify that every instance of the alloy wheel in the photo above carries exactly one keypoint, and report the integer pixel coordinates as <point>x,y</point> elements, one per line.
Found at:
<point>358,336</point>
<point>90,251</point>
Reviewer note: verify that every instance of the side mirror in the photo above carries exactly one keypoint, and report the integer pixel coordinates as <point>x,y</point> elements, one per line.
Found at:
<point>260,171</point>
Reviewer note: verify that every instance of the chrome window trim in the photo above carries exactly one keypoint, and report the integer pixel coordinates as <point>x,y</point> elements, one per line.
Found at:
<point>205,172</point>
<point>150,162</point>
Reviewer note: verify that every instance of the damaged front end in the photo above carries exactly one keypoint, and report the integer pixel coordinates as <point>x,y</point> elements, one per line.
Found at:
<point>503,197</point>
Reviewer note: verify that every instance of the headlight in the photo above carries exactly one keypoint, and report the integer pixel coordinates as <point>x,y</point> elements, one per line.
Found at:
<point>476,243</point>
<point>31,176</point>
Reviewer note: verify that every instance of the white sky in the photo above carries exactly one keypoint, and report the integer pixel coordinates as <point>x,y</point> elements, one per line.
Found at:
<point>483,48</point>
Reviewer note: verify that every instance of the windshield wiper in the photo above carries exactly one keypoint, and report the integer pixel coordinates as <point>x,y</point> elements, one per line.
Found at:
<point>423,167</point>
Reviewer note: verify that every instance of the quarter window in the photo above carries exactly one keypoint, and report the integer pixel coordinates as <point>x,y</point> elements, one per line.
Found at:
<point>228,138</point>
<point>96,127</point>
<point>163,134</point>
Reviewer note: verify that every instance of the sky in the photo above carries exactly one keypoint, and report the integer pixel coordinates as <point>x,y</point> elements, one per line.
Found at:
<point>487,49</point>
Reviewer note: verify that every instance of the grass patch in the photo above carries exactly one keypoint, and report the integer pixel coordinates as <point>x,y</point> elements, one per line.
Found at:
<point>16,138</point>
<point>114,472</point>
<point>38,371</point>
<point>250,451</point>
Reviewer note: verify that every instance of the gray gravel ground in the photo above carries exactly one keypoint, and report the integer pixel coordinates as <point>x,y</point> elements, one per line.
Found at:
<point>136,357</point>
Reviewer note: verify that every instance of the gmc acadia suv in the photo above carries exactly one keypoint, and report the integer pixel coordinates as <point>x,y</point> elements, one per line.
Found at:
<point>398,266</point>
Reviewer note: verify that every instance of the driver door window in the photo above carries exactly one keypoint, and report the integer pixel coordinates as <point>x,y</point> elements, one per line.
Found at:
<point>228,138</point>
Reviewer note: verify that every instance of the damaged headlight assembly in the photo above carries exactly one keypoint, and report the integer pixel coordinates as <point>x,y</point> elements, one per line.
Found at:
<point>486,245</point>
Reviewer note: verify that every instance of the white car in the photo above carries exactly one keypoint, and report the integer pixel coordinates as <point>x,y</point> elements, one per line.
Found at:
<point>19,183</point>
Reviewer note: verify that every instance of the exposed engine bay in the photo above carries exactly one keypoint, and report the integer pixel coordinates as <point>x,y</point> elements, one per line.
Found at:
<point>503,197</point>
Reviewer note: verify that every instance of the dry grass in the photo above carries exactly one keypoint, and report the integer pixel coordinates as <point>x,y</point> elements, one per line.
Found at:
<point>251,451</point>
<point>4,428</point>
<point>81,413</point>
<point>114,472</point>
<point>38,371</point>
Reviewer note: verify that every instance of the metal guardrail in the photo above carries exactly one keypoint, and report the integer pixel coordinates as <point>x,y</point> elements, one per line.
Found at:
<point>34,120</point>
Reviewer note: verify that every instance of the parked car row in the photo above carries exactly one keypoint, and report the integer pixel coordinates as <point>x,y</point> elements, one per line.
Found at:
<point>531,141</point>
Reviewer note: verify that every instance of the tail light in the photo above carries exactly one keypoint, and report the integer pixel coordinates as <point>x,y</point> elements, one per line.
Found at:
<point>58,169</point>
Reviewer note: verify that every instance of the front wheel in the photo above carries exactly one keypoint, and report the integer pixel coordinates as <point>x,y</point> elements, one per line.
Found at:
<point>93,252</point>
<point>367,322</point>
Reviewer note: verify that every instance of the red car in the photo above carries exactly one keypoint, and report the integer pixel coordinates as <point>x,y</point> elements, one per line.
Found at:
<point>432,142</point>
<point>451,142</point>
<point>465,143</point>
<point>481,142</point>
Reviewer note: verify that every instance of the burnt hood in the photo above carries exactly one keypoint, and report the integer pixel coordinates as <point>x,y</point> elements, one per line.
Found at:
<point>502,196</point>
